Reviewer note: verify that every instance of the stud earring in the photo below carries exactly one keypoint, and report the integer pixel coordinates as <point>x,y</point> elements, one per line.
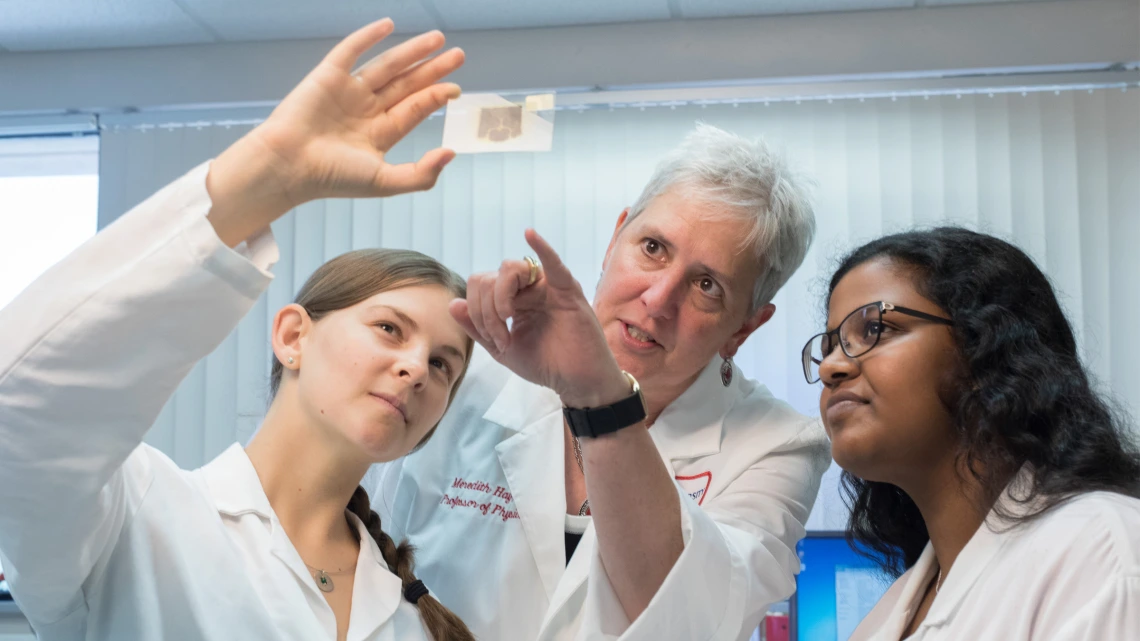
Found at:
<point>290,360</point>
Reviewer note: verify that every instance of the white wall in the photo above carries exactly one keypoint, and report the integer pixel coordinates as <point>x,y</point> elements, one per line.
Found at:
<point>1030,34</point>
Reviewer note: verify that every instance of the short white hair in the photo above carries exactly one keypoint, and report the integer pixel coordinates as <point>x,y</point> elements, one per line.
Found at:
<point>743,179</point>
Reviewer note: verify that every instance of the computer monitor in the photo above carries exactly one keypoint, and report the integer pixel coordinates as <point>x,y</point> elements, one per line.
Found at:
<point>835,589</point>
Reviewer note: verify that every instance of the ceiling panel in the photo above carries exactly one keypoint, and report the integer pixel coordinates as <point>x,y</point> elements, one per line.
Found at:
<point>289,19</point>
<point>731,8</point>
<point>28,25</point>
<point>934,3</point>
<point>512,14</point>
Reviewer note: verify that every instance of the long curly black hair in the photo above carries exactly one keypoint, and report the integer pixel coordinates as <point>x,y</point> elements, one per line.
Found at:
<point>1026,397</point>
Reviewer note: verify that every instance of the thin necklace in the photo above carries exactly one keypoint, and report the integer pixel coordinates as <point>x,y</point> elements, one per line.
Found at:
<point>585,509</point>
<point>938,582</point>
<point>324,579</point>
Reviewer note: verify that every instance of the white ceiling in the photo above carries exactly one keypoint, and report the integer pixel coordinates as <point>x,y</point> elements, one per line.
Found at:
<point>39,25</point>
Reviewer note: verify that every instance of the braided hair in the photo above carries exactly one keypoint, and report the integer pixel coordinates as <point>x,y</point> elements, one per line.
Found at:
<point>442,623</point>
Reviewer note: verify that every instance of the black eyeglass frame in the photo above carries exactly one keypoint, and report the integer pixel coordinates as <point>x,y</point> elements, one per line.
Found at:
<point>883,307</point>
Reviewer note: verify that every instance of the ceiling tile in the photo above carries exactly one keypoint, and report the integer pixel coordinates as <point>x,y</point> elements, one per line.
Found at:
<point>30,25</point>
<point>512,14</point>
<point>935,3</point>
<point>732,8</point>
<point>288,19</point>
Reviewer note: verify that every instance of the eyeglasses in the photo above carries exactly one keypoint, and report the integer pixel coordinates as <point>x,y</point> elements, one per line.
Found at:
<point>858,334</point>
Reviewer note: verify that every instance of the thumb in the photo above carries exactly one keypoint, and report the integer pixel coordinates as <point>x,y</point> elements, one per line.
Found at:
<point>459,311</point>
<point>419,176</point>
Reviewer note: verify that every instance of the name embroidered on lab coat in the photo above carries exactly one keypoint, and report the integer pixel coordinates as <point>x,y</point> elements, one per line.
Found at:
<point>482,497</point>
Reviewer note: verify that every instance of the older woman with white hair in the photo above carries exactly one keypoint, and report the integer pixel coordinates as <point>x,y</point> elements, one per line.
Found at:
<point>607,472</point>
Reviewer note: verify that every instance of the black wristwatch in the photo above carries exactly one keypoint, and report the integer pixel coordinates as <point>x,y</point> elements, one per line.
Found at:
<point>594,421</point>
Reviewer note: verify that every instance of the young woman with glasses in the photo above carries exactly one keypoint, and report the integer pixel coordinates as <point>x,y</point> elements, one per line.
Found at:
<point>980,463</point>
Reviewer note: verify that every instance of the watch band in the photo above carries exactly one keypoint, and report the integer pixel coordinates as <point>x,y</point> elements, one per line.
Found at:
<point>592,422</point>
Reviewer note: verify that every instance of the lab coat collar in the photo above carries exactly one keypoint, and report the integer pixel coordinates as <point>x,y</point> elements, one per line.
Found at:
<point>236,490</point>
<point>376,591</point>
<point>533,464</point>
<point>917,578</point>
<point>522,404</point>
<point>691,426</point>
<point>234,484</point>
<point>575,579</point>
<point>973,560</point>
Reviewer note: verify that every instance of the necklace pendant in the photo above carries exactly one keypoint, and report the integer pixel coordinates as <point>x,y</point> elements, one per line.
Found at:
<point>324,581</point>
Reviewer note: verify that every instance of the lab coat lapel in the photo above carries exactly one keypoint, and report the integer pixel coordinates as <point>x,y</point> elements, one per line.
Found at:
<point>981,549</point>
<point>533,465</point>
<point>376,594</point>
<point>971,563</point>
<point>967,568</point>
<point>573,584</point>
<point>691,426</point>
<point>236,490</point>
<point>910,596</point>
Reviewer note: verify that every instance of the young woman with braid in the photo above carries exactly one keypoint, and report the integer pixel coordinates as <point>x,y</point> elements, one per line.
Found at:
<point>372,314</point>
<point>104,537</point>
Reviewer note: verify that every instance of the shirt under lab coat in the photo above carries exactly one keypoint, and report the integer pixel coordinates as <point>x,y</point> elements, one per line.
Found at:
<point>1073,574</point>
<point>104,538</point>
<point>484,503</point>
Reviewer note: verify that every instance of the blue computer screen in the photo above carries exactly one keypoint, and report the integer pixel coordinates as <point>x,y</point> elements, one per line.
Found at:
<point>835,588</point>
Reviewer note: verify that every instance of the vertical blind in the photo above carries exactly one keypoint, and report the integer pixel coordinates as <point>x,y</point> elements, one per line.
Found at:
<point>1056,173</point>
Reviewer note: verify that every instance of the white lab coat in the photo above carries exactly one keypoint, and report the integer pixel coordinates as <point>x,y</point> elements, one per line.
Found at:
<point>484,503</point>
<point>1073,574</point>
<point>104,538</point>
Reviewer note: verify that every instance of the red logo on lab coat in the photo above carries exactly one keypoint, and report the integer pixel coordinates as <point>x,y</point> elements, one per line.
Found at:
<point>696,486</point>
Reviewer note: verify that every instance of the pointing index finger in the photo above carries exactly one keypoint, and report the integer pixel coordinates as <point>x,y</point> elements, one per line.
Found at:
<point>553,269</point>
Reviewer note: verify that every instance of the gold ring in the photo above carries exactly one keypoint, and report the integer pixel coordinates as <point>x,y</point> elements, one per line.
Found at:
<point>533,264</point>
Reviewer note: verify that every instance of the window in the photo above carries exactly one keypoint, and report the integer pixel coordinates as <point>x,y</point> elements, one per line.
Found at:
<point>49,200</point>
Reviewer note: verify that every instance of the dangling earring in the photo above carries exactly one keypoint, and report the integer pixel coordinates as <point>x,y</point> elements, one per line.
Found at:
<point>726,372</point>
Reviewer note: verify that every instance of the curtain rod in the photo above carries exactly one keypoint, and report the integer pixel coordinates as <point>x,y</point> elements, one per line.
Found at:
<point>249,116</point>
